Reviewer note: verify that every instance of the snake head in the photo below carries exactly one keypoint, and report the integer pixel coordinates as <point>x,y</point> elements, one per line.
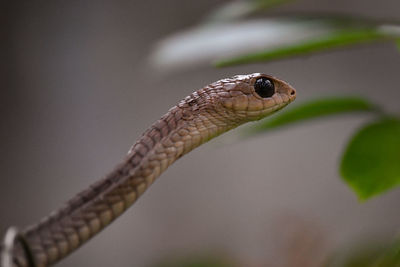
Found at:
<point>253,96</point>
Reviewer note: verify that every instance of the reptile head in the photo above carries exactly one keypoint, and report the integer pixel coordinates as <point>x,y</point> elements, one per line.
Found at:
<point>253,96</point>
<point>239,99</point>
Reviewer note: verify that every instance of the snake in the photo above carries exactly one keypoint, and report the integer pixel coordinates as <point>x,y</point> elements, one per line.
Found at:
<point>201,116</point>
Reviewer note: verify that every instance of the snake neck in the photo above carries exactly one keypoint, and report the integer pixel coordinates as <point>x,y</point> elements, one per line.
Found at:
<point>182,129</point>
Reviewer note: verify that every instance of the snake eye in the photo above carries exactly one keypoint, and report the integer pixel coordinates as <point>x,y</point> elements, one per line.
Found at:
<point>264,87</point>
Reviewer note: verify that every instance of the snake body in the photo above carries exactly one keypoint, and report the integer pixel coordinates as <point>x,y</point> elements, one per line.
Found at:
<point>206,113</point>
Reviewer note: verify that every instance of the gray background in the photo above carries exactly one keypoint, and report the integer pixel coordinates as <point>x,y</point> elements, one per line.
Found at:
<point>77,91</point>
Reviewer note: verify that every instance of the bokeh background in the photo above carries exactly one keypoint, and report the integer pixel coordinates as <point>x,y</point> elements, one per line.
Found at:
<point>77,90</point>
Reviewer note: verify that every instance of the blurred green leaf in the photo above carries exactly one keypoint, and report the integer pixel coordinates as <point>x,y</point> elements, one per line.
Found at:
<point>196,262</point>
<point>370,254</point>
<point>371,162</point>
<point>254,40</point>
<point>390,257</point>
<point>223,40</point>
<point>314,109</point>
<point>361,256</point>
<point>398,43</point>
<point>336,39</point>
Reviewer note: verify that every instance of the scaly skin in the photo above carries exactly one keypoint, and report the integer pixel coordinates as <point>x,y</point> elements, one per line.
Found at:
<point>203,115</point>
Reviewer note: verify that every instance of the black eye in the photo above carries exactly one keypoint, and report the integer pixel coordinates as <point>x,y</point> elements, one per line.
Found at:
<point>264,87</point>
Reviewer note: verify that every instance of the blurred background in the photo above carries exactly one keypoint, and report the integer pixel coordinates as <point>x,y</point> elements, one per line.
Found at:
<point>78,89</point>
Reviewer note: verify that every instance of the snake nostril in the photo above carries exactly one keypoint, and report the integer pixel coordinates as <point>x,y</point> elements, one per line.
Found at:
<point>292,92</point>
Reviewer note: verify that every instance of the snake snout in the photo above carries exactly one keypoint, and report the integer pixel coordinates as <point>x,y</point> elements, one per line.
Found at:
<point>292,94</point>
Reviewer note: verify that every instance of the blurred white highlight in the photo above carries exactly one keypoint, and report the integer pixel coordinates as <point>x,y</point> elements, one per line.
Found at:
<point>217,41</point>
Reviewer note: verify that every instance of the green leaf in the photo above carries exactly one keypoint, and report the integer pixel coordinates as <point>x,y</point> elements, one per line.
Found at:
<point>390,257</point>
<point>314,109</point>
<point>337,39</point>
<point>367,254</point>
<point>371,162</point>
<point>196,262</point>
<point>230,39</point>
<point>398,43</point>
<point>253,40</point>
